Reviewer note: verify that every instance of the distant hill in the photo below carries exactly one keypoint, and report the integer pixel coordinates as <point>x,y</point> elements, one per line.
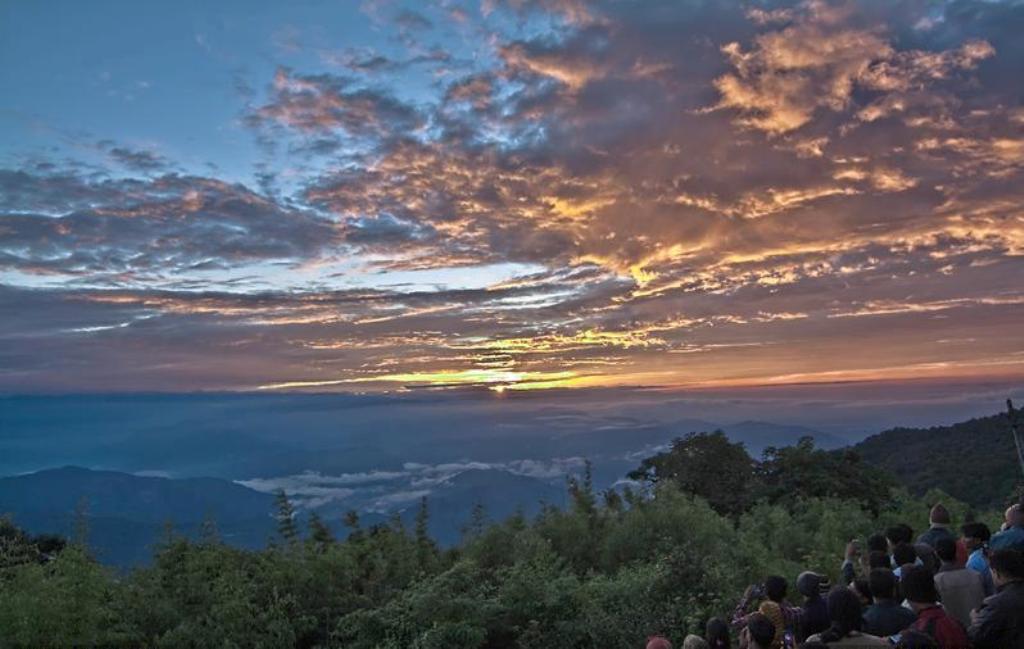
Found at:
<point>974,461</point>
<point>126,514</point>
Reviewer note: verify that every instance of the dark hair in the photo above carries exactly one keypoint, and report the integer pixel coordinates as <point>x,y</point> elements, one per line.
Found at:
<point>883,583</point>
<point>901,533</point>
<point>918,584</point>
<point>1008,563</point>
<point>879,560</point>
<point>878,543</point>
<point>862,587</point>
<point>717,633</point>
<point>904,553</point>
<point>945,548</point>
<point>844,611</point>
<point>762,631</point>
<point>978,531</point>
<point>911,639</point>
<point>775,588</point>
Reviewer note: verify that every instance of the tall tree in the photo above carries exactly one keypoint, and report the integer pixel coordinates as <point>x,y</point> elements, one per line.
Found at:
<point>707,465</point>
<point>286,527</point>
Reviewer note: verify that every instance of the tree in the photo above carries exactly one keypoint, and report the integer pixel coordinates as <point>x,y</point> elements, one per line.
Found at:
<point>803,471</point>
<point>426,549</point>
<point>286,527</point>
<point>706,465</point>
<point>319,534</point>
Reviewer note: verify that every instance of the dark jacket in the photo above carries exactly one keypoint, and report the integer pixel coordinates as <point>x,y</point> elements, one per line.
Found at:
<point>1000,624</point>
<point>887,617</point>
<point>815,617</point>
<point>934,533</point>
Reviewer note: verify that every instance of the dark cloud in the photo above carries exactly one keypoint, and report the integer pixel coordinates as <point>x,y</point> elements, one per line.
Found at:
<point>117,229</point>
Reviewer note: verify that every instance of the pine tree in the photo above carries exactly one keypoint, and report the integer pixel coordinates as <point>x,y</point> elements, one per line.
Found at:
<point>477,521</point>
<point>286,527</point>
<point>319,534</point>
<point>426,551</point>
<point>209,534</point>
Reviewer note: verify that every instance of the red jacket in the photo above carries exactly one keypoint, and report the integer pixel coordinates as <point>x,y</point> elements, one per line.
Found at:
<point>946,630</point>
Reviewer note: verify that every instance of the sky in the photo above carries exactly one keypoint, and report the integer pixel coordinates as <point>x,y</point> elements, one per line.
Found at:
<point>523,194</point>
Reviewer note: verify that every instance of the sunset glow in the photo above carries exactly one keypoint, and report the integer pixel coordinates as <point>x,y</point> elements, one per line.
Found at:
<point>523,195</point>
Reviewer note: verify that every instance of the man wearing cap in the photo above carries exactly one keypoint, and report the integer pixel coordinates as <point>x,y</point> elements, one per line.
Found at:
<point>939,521</point>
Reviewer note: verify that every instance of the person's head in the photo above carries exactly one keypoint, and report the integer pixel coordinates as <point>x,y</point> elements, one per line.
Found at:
<point>694,642</point>
<point>879,559</point>
<point>717,633</point>
<point>898,534</point>
<point>1006,565</point>
<point>658,642</point>
<point>883,584</point>
<point>976,535</point>
<point>862,588</point>
<point>809,584</point>
<point>878,543</point>
<point>775,588</point>
<point>918,586</point>
<point>939,515</point>
<point>1015,516</point>
<point>945,549</point>
<point>844,613</point>
<point>761,631</point>
<point>904,553</point>
<point>911,639</point>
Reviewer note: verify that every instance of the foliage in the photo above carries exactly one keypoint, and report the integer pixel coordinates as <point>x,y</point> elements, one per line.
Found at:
<point>604,573</point>
<point>721,472</point>
<point>974,461</point>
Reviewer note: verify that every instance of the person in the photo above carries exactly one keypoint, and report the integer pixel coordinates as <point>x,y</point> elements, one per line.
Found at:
<point>938,521</point>
<point>784,618</point>
<point>716,632</point>
<point>903,554</point>
<point>861,586</point>
<point>879,560</point>
<point>918,585</point>
<point>759,633</point>
<point>885,617</point>
<point>1012,537</point>
<point>999,623</point>
<point>916,640</point>
<point>878,543</point>
<point>658,642</point>
<point>976,537</point>
<point>900,533</point>
<point>845,622</point>
<point>961,590</point>
<point>815,608</point>
<point>694,642</point>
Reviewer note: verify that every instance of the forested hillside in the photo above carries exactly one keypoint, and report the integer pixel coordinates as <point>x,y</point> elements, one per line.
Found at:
<point>605,572</point>
<point>974,460</point>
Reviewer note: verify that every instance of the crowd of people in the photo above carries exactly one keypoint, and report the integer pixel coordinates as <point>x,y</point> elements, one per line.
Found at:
<point>939,590</point>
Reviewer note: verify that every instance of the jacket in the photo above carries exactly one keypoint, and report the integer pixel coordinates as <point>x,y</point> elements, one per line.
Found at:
<point>947,631</point>
<point>1000,622</point>
<point>961,590</point>
<point>887,617</point>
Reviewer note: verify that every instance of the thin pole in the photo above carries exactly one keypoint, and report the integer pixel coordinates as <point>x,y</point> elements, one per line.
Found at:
<point>1012,415</point>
